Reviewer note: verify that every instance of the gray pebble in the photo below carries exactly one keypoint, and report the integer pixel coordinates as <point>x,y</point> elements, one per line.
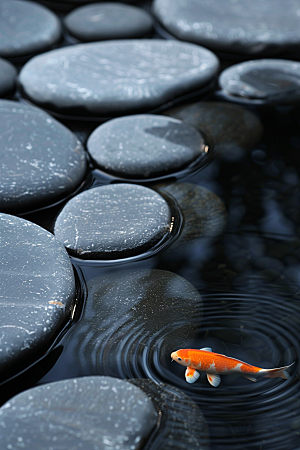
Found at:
<point>37,292</point>
<point>145,146</point>
<point>26,28</point>
<point>114,221</point>
<point>8,78</point>
<point>41,160</point>
<point>90,413</point>
<point>115,77</point>
<point>109,20</point>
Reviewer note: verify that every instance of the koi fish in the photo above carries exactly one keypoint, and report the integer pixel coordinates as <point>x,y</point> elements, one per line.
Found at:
<point>215,365</point>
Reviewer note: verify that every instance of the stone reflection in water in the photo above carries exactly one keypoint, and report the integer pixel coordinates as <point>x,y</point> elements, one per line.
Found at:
<point>242,414</point>
<point>233,129</point>
<point>131,322</point>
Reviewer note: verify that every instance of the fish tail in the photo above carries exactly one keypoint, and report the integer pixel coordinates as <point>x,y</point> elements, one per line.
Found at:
<point>277,372</point>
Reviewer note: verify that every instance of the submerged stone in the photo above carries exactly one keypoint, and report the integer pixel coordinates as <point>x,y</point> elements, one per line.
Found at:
<point>115,77</point>
<point>8,78</point>
<point>37,291</point>
<point>262,81</point>
<point>26,28</point>
<point>94,413</point>
<point>233,128</point>
<point>41,160</point>
<point>112,222</point>
<point>109,20</point>
<point>246,27</point>
<point>145,146</point>
<point>131,322</point>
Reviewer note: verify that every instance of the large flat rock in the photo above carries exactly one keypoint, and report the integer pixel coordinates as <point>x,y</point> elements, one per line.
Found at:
<point>116,77</point>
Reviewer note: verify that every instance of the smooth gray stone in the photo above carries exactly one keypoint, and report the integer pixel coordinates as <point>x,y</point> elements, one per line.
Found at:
<point>110,20</point>
<point>90,413</point>
<point>113,221</point>
<point>145,146</point>
<point>265,80</point>
<point>246,27</point>
<point>8,78</point>
<point>26,28</point>
<point>37,291</point>
<point>41,160</point>
<point>116,77</point>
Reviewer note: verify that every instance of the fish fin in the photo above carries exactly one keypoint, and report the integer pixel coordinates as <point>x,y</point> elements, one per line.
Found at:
<point>206,349</point>
<point>191,375</point>
<point>213,379</point>
<point>250,378</point>
<point>277,372</point>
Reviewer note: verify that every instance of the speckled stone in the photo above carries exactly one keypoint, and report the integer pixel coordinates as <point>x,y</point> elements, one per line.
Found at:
<point>246,27</point>
<point>145,146</point>
<point>41,160</point>
<point>37,290</point>
<point>108,21</point>
<point>233,128</point>
<point>26,28</point>
<point>114,221</point>
<point>8,78</point>
<point>115,77</point>
<point>90,413</point>
<point>263,81</point>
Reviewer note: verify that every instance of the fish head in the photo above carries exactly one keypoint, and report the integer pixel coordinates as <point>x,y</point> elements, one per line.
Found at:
<point>182,357</point>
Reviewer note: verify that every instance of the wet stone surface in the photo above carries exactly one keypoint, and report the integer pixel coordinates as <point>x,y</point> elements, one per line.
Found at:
<point>37,291</point>
<point>263,81</point>
<point>8,78</point>
<point>145,146</point>
<point>108,21</point>
<point>41,160</point>
<point>116,77</point>
<point>26,28</point>
<point>114,221</point>
<point>94,413</point>
<point>233,128</point>
<point>246,27</point>
<point>131,323</point>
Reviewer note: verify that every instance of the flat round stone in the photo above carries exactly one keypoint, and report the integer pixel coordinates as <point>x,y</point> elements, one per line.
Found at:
<point>262,80</point>
<point>114,221</point>
<point>246,27</point>
<point>116,77</point>
<point>83,413</point>
<point>8,78</point>
<point>233,128</point>
<point>41,160</point>
<point>108,21</point>
<point>145,146</point>
<point>37,291</point>
<point>26,28</point>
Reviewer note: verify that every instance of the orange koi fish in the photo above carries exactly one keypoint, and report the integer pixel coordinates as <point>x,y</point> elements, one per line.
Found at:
<point>215,365</point>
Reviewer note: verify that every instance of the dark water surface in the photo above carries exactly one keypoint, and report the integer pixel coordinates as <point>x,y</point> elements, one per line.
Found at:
<point>241,295</point>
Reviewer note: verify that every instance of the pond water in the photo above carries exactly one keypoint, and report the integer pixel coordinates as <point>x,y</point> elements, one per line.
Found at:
<point>225,275</point>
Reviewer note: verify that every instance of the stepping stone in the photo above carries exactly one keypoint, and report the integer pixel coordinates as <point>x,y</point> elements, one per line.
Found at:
<point>130,323</point>
<point>243,27</point>
<point>100,21</point>
<point>26,28</point>
<point>262,81</point>
<point>88,412</point>
<point>113,221</point>
<point>37,291</point>
<point>145,146</point>
<point>8,78</point>
<point>233,128</point>
<point>42,161</point>
<point>116,77</point>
